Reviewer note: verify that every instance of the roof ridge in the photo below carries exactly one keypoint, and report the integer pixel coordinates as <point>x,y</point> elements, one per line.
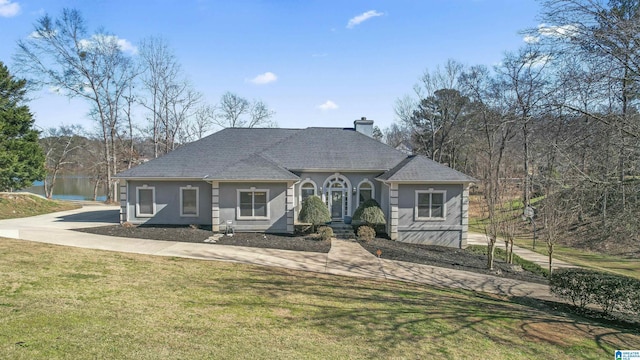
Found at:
<point>253,156</point>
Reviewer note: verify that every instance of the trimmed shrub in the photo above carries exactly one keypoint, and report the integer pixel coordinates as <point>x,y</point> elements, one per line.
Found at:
<point>370,213</point>
<point>608,291</point>
<point>325,232</point>
<point>366,233</point>
<point>314,211</point>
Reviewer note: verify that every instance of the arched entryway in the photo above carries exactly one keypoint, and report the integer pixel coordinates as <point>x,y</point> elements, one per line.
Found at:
<point>337,196</point>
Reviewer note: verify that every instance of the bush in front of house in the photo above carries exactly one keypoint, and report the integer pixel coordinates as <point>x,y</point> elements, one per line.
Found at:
<point>608,291</point>
<point>325,232</point>
<point>366,233</point>
<point>370,213</point>
<point>314,212</point>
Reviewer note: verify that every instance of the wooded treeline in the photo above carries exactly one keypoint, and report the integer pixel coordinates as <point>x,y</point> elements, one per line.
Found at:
<point>139,96</point>
<point>555,122</point>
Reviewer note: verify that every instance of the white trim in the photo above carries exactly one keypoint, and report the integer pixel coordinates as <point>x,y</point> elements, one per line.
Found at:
<point>153,196</point>
<point>159,178</point>
<point>430,218</point>
<point>306,181</point>
<point>427,182</point>
<point>327,170</point>
<point>189,187</point>
<point>252,190</point>
<point>373,190</point>
<point>207,180</point>
<point>346,196</point>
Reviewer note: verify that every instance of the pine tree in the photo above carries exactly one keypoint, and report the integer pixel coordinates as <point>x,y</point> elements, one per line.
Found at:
<point>21,158</point>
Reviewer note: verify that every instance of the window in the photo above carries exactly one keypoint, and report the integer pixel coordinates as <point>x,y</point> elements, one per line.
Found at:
<point>189,201</point>
<point>365,191</point>
<point>253,204</point>
<point>307,189</point>
<point>145,201</point>
<point>430,205</point>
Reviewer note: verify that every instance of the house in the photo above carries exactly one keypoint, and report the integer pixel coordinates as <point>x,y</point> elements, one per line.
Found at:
<point>257,179</point>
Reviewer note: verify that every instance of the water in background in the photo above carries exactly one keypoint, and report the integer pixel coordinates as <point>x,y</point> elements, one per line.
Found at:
<point>70,187</point>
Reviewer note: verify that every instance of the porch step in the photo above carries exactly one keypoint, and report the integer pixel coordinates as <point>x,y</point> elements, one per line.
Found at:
<point>342,230</point>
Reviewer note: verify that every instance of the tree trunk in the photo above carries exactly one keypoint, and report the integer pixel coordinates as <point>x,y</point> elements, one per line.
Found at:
<point>490,251</point>
<point>550,249</point>
<point>95,189</point>
<point>525,140</point>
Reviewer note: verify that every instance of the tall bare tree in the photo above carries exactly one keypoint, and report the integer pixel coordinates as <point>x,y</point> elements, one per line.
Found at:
<point>171,99</point>
<point>202,122</point>
<point>61,54</point>
<point>525,83</point>
<point>234,111</point>
<point>495,122</point>
<point>59,145</point>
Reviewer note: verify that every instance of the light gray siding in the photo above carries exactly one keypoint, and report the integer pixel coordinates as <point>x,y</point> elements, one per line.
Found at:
<point>277,202</point>
<point>167,203</point>
<point>447,232</point>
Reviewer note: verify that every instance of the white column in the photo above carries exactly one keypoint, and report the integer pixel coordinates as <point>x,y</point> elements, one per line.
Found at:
<point>123,201</point>
<point>215,206</point>
<point>464,217</point>
<point>290,207</point>
<point>393,215</point>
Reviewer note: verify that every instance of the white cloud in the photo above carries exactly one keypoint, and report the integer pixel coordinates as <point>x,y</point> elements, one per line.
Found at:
<point>362,17</point>
<point>319,55</point>
<point>124,44</point>
<point>328,105</point>
<point>540,60</point>
<point>8,8</point>
<point>40,35</point>
<point>530,39</point>
<point>265,78</point>
<point>558,31</point>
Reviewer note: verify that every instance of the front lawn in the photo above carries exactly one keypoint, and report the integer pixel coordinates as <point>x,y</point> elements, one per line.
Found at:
<point>59,302</point>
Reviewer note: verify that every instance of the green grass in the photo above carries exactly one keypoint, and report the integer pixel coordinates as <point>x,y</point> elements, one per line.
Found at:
<point>628,266</point>
<point>17,205</point>
<point>511,209</point>
<point>59,302</point>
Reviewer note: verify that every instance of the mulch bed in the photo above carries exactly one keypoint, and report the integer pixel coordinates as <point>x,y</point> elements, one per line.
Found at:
<point>308,243</point>
<point>421,254</point>
<point>449,258</point>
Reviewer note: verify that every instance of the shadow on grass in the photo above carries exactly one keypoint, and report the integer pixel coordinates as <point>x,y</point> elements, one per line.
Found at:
<point>392,316</point>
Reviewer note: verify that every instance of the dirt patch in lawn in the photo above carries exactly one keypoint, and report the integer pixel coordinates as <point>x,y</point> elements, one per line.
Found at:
<point>310,243</point>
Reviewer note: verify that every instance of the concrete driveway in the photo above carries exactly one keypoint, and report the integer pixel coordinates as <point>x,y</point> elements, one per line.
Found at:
<point>345,258</point>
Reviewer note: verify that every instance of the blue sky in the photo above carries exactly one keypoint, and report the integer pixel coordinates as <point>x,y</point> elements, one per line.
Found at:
<point>316,63</point>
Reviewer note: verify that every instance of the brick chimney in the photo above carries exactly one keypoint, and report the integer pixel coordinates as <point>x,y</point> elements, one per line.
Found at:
<point>364,126</point>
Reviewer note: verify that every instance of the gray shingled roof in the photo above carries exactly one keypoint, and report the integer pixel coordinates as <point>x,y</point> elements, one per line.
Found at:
<point>210,156</point>
<point>333,149</point>
<point>420,168</point>
<point>272,154</point>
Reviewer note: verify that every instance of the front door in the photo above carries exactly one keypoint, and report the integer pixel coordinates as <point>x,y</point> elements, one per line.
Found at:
<point>337,204</point>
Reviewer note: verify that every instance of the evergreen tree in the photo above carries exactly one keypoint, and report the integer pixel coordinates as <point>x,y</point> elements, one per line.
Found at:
<point>21,158</point>
<point>314,212</point>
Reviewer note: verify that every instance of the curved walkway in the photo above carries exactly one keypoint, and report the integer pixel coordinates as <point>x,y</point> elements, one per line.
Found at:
<point>346,258</point>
